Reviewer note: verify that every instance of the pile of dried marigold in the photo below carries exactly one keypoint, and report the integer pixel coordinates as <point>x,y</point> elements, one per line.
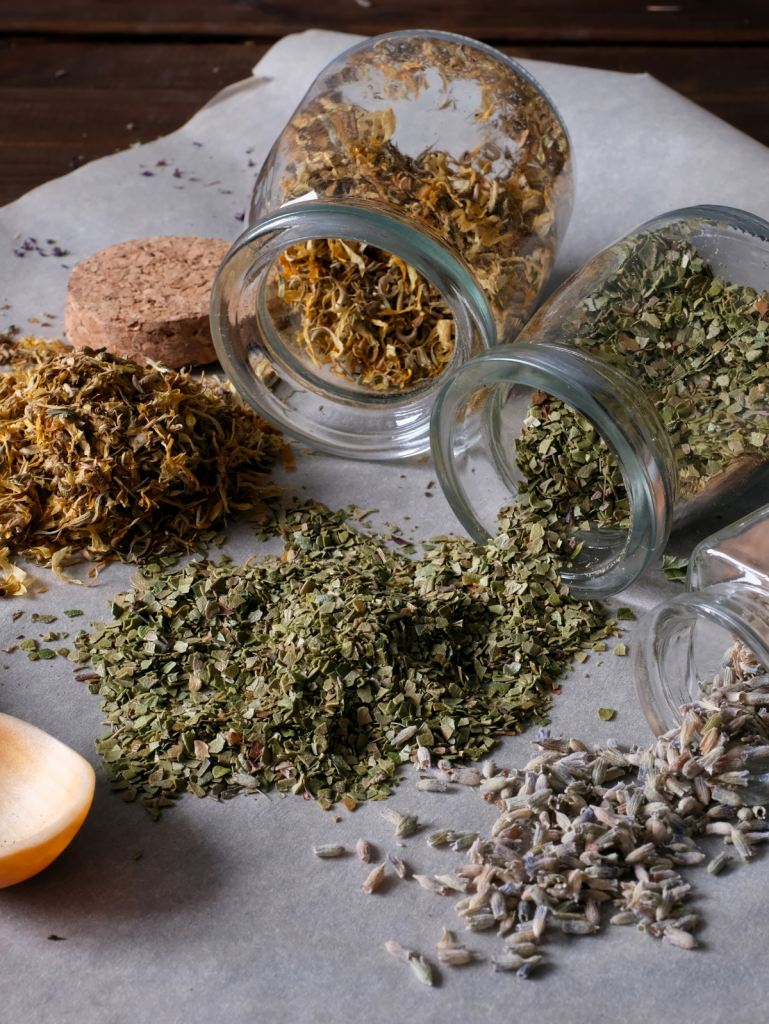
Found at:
<point>110,459</point>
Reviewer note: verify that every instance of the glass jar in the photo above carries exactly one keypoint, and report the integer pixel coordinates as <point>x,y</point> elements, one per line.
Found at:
<point>684,648</point>
<point>409,212</point>
<point>634,400</point>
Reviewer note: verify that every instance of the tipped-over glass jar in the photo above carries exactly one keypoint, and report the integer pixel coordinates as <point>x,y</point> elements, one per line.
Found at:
<point>634,400</point>
<point>712,643</point>
<point>409,212</point>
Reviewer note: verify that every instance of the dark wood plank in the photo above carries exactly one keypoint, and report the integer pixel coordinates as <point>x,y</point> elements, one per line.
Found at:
<point>731,82</point>
<point>127,63</point>
<point>51,122</point>
<point>504,20</point>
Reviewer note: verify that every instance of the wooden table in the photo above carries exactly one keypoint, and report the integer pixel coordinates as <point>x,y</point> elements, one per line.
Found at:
<point>80,79</point>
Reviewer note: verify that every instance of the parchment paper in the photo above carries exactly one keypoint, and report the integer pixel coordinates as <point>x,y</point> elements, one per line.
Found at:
<point>227,914</point>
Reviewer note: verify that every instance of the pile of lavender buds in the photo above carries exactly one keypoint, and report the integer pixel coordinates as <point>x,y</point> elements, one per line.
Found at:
<point>587,834</point>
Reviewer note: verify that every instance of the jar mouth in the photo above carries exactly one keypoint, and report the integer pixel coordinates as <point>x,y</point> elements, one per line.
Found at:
<point>681,643</point>
<point>479,414</point>
<point>305,402</point>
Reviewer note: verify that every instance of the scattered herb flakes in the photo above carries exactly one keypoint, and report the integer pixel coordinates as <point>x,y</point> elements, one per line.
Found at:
<point>635,824</point>
<point>73,613</point>
<point>152,460</point>
<point>606,714</point>
<point>620,650</point>
<point>304,670</point>
<point>38,617</point>
<point>625,615</point>
<point>675,568</point>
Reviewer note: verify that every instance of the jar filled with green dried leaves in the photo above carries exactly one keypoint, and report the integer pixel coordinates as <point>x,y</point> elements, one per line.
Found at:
<point>408,215</point>
<point>635,400</point>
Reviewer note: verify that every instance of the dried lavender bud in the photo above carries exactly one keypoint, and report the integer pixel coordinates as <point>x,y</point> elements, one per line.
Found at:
<point>328,851</point>
<point>375,879</point>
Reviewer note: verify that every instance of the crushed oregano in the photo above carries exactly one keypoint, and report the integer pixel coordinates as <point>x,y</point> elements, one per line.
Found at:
<point>321,669</point>
<point>696,344</point>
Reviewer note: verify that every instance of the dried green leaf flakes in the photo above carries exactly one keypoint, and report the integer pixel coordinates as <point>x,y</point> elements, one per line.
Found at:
<point>675,568</point>
<point>698,346</point>
<point>303,670</point>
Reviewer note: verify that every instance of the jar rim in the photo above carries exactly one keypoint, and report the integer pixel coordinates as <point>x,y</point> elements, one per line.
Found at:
<point>374,426</point>
<point>735,217</point>
<point>722,604</point>
<point>612,404</point>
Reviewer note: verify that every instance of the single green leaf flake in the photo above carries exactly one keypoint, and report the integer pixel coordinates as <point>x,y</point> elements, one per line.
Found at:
<point>620,650</point>
<point>626,615</point>
<point>606,714</point>
<point>73,613</point>
<point>675,568</point>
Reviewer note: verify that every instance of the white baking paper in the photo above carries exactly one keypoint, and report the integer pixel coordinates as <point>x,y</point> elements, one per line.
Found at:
<point>226,915</point>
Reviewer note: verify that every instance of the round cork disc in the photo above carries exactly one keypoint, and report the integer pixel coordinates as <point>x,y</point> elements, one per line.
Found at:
<point>147,298</point>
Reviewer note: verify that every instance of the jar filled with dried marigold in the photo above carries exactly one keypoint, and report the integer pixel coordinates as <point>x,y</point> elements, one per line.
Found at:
<point>408,215</point>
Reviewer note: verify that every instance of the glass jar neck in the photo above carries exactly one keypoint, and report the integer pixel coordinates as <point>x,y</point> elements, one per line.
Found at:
<point>680,644</point>
<point>343,420</point>
<point>474,450</point>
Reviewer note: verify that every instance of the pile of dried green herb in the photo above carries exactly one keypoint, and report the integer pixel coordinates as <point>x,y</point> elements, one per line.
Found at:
<point>107,458</point>
<point>495,205</point>
<point>697,345</point>
<point>319,670</point>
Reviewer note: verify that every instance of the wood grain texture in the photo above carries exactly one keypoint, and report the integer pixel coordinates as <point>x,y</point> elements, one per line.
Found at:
<point>64,102</point>
<point>502,20</point>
